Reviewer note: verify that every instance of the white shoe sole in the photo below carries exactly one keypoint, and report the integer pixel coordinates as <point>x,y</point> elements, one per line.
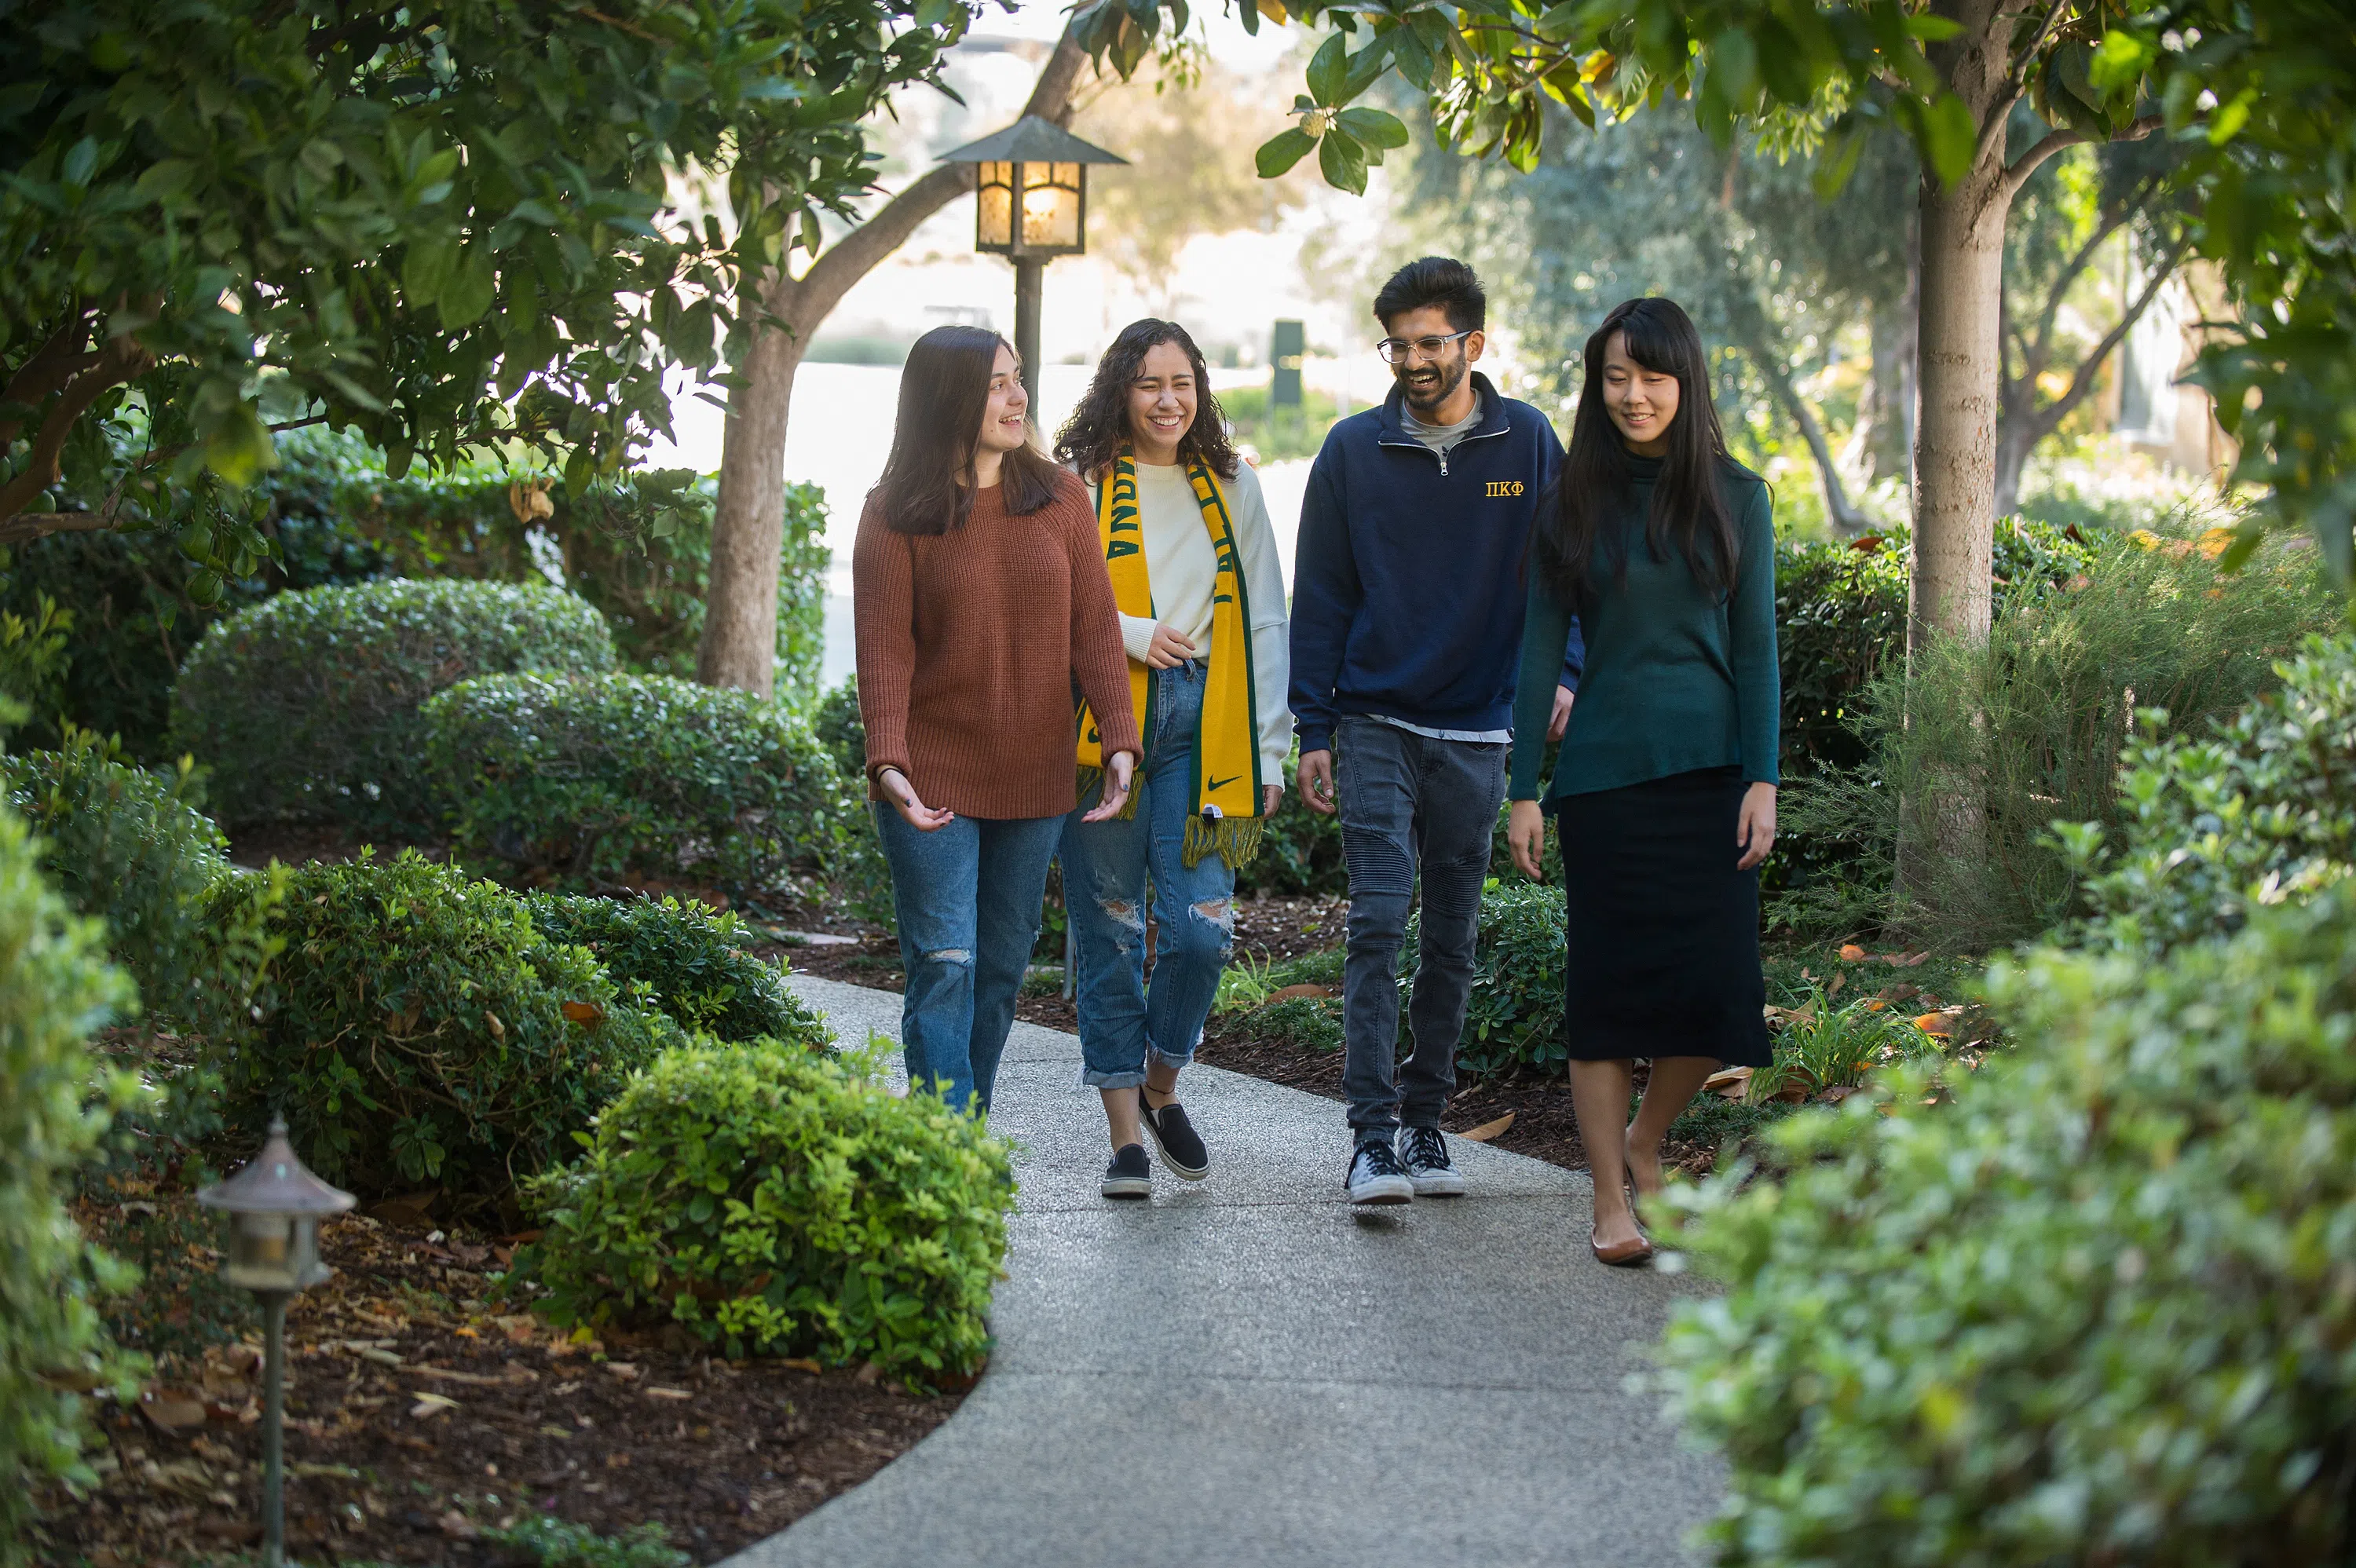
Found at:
<point>1438,1184</point>
<point>1384,1190</point>
<point>1127,1186</point>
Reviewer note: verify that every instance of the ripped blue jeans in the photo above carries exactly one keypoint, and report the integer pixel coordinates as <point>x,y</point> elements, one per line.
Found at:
<point>1107,869</point>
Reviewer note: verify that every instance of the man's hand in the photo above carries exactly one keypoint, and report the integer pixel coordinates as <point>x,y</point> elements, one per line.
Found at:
<point>1754,831</point>
<point>1561,719</point>
<point>1316,779</point>
<point>1120,768</point>
<point>914,812</point>
<point>1525,833</point>
<point>1270,797</point>
<point>1169,649</point>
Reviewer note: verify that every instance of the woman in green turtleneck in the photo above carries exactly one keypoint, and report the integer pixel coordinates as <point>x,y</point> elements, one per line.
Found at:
<point>1664,790</point>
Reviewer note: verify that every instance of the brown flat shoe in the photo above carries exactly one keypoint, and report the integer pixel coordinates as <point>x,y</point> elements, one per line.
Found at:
<point>1621,1254</point>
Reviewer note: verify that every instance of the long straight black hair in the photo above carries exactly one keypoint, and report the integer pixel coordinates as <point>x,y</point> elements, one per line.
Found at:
<point>928,481</point>
<point>1098,428</point>
<point>1688,512</point>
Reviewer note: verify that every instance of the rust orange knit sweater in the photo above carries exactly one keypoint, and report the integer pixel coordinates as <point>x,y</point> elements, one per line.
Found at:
<point>969,644</point>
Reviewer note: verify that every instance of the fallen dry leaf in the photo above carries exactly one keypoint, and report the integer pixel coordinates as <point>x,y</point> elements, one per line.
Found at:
<point>583,1012</point>
<point>625,1371</point>
<point>171,1409</point>
<point>1933,1023</point>
<point>1731,1083</point>
<point>655,1391</point>
<point>431,1404</point>
<point>1488,1130</point>
<point>1833,989</point>
<point>1289,992</point>
<point>801,1364</point>
<point>476,1379</point>
<point>457,1526</point>
<point>1852,954</point>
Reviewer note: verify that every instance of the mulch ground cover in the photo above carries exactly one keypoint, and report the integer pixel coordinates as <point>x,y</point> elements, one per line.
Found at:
<point>422,1415</point>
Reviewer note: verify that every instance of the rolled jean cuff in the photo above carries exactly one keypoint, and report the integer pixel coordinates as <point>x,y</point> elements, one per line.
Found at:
<point>1092,1079</point>
<point>1154,1053</point>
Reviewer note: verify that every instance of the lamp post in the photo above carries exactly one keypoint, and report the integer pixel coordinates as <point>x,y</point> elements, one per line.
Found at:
<point>274,1206</point>
<point>1030,204</point>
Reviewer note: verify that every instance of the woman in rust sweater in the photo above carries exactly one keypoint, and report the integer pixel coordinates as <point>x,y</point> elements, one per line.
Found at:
<point>981,601</point>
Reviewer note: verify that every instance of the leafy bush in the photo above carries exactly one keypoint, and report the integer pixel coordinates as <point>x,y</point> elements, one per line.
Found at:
<point>306,707</point>
<point>779,1201</point>
<point>1988,744</point>
<point>1515,1015</point>
<point>2261,810</point>
<point>55,989</point>
<point>416,1028</point>
<point>124,845</point>
<point>598,779</point>
<point>690,960</point>
<point>2095,1308</point>
<point>1305,1022</point>
<point>1301,854</point>
<point>547,1542</point>
<point>839,728</point>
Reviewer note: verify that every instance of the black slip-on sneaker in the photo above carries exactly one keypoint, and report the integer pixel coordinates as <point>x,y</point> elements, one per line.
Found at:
<point>1174,1136</point>
<point>1423,1155</point>
<point>1130,1174</point>
<point>1374,1176</point>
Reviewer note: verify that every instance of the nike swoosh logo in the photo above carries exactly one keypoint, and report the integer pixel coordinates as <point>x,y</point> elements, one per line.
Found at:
<point>1216,785</point>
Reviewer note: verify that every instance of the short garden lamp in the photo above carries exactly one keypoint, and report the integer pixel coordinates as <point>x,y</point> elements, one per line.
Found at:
<point>274,1206</point>
<point>1030,204</point>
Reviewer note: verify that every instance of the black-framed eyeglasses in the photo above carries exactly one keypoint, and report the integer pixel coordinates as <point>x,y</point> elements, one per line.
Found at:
<point>1394,350</point>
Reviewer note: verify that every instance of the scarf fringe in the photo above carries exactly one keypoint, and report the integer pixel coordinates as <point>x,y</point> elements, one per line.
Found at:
<point>1236,839</point>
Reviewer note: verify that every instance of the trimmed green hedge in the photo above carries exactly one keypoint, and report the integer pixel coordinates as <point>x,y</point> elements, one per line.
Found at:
<point>55,989</point>
<point>690,960</point>
<point>306,707</point>
<point>417,1029</point>
<point>777,1200</point>
<point>632,774</point>
<point>2095,1303</point>
<point>2260,810</point>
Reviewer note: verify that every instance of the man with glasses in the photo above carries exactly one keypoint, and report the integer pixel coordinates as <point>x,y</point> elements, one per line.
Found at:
<point>1407,627</point>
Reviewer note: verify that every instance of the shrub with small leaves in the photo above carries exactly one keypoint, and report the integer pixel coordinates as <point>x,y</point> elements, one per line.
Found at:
<point>2260,810</point>
<point>306,706</point>
<point>417,1028</point>
<point>1515,1015</point>
<point>125,844</point>
<point>55,989</point>
<point>1305,1022</point>
<point>690,960</point>
<point>625,775</point>
<point>777,1200</point>
<point>547,1542</point>
<point>2091,1304</point>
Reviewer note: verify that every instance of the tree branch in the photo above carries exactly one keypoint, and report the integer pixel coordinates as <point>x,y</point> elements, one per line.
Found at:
<point>52,364</point>
<point>25,527</point>
<point>1992,130</point>
<point>117,363</point>
<point>2016,175</point>
<point>2083,381</point>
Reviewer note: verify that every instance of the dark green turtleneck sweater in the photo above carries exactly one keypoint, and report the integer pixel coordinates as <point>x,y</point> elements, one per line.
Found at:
<point>1676,680</point>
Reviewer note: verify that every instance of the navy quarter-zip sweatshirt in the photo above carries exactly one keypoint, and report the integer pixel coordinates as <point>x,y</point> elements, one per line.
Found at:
<point>1408,574</point>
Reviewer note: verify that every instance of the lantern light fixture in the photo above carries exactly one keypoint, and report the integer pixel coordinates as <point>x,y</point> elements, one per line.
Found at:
<point>275,1206</point>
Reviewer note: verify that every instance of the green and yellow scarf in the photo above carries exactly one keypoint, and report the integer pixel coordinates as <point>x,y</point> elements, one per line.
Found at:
<point>1226,782</point>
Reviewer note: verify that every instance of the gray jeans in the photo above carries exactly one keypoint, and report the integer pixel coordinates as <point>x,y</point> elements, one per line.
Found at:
<point>1410,802</point>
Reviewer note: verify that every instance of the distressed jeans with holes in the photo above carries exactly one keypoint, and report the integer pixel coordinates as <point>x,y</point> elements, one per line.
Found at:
<point>1107,867</point>
<point>1409,801</point>
<point>966,900</point>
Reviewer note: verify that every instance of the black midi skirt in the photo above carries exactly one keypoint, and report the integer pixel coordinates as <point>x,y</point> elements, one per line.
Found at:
<point>1663,943</point>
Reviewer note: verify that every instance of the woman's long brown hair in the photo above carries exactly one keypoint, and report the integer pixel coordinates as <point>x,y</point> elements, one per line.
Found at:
<point>1093,436</point>
<point>928,481</point>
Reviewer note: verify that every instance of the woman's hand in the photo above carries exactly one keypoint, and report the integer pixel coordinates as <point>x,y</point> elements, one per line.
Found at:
<point>1119,768</point>
<point>1563,697</point>
<point>914,812</point>
<point>1270,797</point>
<point>1754,832</point>
<point>1525,832</point>
<point>1169,648</point>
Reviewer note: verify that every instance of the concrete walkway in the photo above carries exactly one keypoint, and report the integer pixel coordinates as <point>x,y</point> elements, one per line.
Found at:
<point>1244,1371</point>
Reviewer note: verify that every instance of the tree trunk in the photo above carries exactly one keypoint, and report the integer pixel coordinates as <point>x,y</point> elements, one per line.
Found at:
<point>1963,283</point>
<point>1886,407</point>
<point>739,647</point>
<point>740,622</point>
<point>2017,436</point>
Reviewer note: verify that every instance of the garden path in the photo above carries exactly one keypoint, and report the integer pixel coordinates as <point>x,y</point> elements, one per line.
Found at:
<point>1244,1371</point>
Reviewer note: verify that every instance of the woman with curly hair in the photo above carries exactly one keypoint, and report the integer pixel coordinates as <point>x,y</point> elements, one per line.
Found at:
<point>1200,589</point>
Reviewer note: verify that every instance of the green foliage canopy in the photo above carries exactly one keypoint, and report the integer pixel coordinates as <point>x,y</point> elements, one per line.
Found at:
<point>442,226</point>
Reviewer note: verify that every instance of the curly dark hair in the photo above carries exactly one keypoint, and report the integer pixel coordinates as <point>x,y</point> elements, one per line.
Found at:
<point>1098,428</point>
